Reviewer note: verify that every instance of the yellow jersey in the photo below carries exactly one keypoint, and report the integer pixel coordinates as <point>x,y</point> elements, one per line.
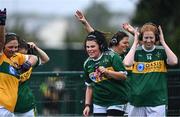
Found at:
<point>9,79</point>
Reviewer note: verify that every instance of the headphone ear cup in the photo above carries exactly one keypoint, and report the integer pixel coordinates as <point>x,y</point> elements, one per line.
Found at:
<point>158,34</point>
<point>114,41</point>
<point>140,37</point>
<point>157,37</point>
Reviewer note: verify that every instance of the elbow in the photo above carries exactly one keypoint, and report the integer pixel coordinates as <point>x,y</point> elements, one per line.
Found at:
<point>173,62</point>
<point>127,64</point>
<point>45,60</point>
<point>33,59</point>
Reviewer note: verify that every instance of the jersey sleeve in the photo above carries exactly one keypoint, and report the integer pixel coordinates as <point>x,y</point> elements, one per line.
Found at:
<point>87,80</point>
<point>21,58</point>
<point>117,63</point>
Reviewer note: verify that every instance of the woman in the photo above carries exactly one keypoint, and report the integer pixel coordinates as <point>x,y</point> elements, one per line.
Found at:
<point>118,44</point>
<point>148,82</point>
<point>26,105</point>
<point>105,78</point>
<point>11,65</point>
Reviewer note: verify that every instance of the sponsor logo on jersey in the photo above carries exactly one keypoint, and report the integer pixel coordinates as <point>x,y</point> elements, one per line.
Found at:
<point>92,77</point>
<point>140,67</point>
<point>96,77</point>
<point>146,67</point>
<point>13,71</point>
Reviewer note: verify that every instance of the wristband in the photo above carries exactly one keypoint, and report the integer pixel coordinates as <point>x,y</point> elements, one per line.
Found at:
<point>87,105</point>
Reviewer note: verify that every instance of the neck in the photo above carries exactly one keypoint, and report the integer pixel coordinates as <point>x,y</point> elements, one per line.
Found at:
<point>117,50</point>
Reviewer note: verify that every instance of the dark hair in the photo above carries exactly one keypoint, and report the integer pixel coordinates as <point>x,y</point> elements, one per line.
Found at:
<point>25,45</point>
<point>149,27</point>
<point>11,36</point>
<point>117,37</point>
<point>98,37</point>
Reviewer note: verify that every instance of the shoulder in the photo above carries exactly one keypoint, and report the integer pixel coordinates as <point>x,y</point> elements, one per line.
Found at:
<point>86,61</point>
<point>160,47</point>
<point>20,57</point>
<point>139,48</point>
<point>110,53</point>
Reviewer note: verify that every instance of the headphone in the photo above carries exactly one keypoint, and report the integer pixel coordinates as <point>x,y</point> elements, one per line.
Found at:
<point>157,33</point>
<point>99,38</point>
<point>117,37</point>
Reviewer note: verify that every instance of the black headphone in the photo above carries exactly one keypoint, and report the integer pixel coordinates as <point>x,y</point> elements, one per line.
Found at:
<point>114,41</point>
<point>157,33</point>
<point>99,37</point>
<point>117,37</point>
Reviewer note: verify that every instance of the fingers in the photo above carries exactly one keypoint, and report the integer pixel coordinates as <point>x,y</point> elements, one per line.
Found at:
<point>125,26</point>
<point>79,14</point>
<point>86,112</point>
<point>3,17</point>
<point>160,29</point>
<point>102,69</point>
<point>31,44</point>
<point>3,11</point>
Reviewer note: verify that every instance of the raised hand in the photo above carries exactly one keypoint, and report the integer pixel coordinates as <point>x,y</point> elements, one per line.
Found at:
<point>3,17</point>
<point>161,35</point>
<point>80,16</point>
<point>32,45</point>
<point>136,36</point>
<point>128,27</point>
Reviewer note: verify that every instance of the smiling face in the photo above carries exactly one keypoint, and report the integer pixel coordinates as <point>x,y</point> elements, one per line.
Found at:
<point>148,40</point>
<point>92,49</point>
<point>10,48</point>
<point>122,45</point>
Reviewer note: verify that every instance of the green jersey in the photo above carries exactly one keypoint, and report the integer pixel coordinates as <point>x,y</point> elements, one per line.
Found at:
<point>26,99</point>
<point>148,81</point>
<point>106,90</point>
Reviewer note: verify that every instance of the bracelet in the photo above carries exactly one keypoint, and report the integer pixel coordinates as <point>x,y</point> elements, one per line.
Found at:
<point>87,105</point>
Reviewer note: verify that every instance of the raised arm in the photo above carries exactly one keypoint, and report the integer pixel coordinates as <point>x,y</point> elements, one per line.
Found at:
<point>171,57</point>
<point>80,16</point>
<point>2,28</point>
<point>127,27</point>
<point>41,54</point>
<point>129,58</point>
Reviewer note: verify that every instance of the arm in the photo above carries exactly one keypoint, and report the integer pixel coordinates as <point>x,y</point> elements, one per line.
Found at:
<point>31,61</point>
<point>171,57</point>
<point>127,27</point>
<point>113,74</point>
<point>79,15</point>
<point>88,99</point>
<point>129,58</point>
<point>2,28</point>
<point>43,56</point>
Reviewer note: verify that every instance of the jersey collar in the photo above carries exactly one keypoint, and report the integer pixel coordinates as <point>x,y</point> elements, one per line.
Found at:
<point>148,50</point>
